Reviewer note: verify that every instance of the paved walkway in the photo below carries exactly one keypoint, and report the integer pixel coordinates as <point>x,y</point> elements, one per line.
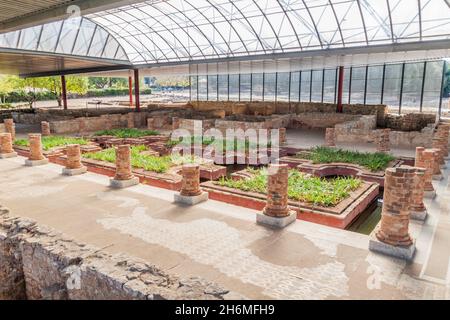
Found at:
<point>222,243</point>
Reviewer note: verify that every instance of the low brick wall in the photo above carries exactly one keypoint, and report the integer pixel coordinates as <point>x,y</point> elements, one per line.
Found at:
<point>106,121</point>
<point>39,263</point>
<point>410,121</point>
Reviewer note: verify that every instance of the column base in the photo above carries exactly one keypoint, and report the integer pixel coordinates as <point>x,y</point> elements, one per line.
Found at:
<point>275,222</point>
<point>401,252</point>
<point>419,215</point>
<point>191,201</point>
<point>8,155</point>
<point>430,194</point>
<point>121,184</point>
<point>438,177</point>
<point>35,163</point>
<point>73,172</point>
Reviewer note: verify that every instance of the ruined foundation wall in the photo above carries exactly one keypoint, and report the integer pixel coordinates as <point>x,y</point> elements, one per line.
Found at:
<point>38,263</point>
<point>269,108</point>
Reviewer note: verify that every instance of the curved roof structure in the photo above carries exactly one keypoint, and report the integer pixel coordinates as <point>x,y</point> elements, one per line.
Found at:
<point>75,36</point>
<point>186,30</point>
<point>159,33</point>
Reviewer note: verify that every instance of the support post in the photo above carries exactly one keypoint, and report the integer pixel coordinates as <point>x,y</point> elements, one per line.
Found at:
<point>136,90</point>
<point>340,90</point>
<point>64,91</point>
<point>130,90</point>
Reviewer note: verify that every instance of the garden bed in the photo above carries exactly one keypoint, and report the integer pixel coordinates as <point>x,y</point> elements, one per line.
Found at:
<point>339,213</point>
<point>327,162</point>
<point>153,170</point>
<point>54,146</point>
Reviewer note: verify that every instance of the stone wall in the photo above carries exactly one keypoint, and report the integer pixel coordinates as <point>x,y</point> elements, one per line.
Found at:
<point>269,108</point>
<point>107,121</point>
<point>410,121</point>
<point>314,120</point>
<point>38,263</point>
<point>2,127</point>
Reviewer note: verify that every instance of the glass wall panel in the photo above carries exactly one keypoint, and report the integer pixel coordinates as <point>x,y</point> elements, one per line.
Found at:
<point>212,88</point>
<point>202,88</point>
<point>283,86</point>
<point>245,86</point>
<point>346,86</point>
<point>234,87</point>
<point>374,84</point>
<point>316,95</point>
<point>257,86</point>
<point>269,86</point>
<point>329,89</point>
<point>358,85</point>
<point>223,87</point>
<point>295,86</point>
<point>392,84</point>
<point>412,87</point>
<point>194,88</point>
<point>305,94</point>
<point>433,84</point>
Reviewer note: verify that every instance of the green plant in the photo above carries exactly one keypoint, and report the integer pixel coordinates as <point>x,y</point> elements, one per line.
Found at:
<point>138,160</point>
<point>372,161</point>
<point>126,133</point>
<point>313,190</point>
<point>51,142</point>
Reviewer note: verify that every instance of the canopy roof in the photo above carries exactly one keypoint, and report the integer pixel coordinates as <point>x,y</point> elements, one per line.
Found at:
<point>168,32</point>
<point>183,30</point>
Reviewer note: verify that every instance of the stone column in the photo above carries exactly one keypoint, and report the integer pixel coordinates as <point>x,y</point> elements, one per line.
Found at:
<point>10,127</point>
<point>330,137</point>
<point>6,147</point>
<point>36,157</point>
<point>45,128</point>
<point>392,236</point>
<point>383,140</point>
<point>123,177</point>
<point>277,212</point>
<point>418,211</point>
<point>191,193</point>
<point>73,162</point>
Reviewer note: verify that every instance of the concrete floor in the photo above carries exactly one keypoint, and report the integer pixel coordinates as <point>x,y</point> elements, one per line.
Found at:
<point>222,243</point>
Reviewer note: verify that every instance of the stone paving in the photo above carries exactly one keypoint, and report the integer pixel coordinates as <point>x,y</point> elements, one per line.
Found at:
<point>222,243</point>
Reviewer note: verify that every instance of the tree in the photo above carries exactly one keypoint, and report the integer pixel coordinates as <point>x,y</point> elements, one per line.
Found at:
<point>7,85</point>
<point>74,84</point>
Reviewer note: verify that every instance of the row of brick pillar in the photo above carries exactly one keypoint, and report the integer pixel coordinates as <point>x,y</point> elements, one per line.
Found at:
<point>404,192</point>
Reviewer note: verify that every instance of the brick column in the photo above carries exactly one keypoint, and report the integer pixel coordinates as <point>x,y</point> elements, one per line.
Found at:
<point>73,161</point>
<point>191,180</point>
<point>123,163</point>
<point>35,147</point>
<point>437,145</point>
<point>330,137</point>
<point>73,153</point>
<point>282,133</point>
<point>444,134</point>
<point>10,127</point>
<point>437,172</point>
<point>45,128</point>
<point>130,120</point>
<point>394,227</point>
<point>277,193</point>
<point>6,147</point>
<point>418,211</point>
<point>383,140</point>
<point>428,162</point>
<point>277,213</point>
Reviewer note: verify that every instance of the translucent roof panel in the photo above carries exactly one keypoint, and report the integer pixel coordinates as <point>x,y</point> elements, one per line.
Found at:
<point>184,30</point>
<point>75,36</point>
